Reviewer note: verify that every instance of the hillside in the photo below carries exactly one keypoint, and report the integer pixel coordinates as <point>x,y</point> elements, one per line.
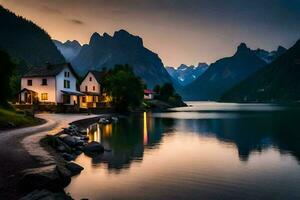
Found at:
<point>278,81</point>
<point>25,41</point>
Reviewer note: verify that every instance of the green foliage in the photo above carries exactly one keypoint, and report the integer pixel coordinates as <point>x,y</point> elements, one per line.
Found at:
<point>6,71</point>
<point>25,41</point>
<point>11,118</point>
<point>168,94</point>
<point>124,87</point>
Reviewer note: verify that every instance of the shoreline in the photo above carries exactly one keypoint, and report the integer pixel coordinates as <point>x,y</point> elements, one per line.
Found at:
<point>20,150</point>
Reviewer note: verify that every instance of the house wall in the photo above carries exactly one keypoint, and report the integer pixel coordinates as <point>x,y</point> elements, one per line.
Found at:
<point>60,85</point>
<point>149,96</point>
<point>90,84</point>
<point>39,88</point>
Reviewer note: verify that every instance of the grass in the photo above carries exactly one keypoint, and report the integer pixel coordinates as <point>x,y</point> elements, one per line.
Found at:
<point>9,118</point>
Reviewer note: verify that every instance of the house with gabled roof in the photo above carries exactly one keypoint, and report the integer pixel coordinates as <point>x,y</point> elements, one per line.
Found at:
<point>50,84</point>
<point>92,87</point>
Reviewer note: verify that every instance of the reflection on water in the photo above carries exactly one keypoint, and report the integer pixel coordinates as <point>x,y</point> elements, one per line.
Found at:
<point>192,155</point>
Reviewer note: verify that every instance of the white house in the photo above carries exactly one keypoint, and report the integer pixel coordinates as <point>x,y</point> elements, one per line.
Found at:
<point>91,87</point>
<point>50,84</point>
<point>148,94</point>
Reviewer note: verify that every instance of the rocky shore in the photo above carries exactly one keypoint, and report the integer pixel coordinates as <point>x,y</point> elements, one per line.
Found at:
<point>65,146</point>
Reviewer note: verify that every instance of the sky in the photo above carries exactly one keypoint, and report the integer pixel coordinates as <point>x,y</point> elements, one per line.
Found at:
<point>180,31</point>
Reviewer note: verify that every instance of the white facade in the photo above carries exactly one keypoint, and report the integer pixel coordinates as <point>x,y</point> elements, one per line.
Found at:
<point>36,85</point>
<point>148,96</point>
<point>90,84</point>
<point>92,88</point>
<point>60,85</point>
<point>49,89</point>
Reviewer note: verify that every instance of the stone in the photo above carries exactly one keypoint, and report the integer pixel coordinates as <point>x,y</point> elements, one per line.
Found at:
<point>46,195</point>
<point>69,140</point>
<point>61,148</point>
<point>49,177</point>
<point>68,157</point>
<point>74,168</point>
<point>93,148</point>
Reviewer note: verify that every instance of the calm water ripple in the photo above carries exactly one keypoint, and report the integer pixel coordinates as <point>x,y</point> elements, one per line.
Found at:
<point>208,151</point>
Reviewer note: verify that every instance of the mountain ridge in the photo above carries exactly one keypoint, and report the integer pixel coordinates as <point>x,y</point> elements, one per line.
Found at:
<point>224,74</point>
<point>122,48</point>
<point>277,81</point>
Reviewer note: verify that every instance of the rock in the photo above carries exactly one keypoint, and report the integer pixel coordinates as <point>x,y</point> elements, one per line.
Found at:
<point>61,148</point>
<point>46,195</point>
<point>69,140</point>
<point>93,148</point>
<point>50,177</point>
<point>68,157</point>
<point>78,152</point>
<point>74,168</point>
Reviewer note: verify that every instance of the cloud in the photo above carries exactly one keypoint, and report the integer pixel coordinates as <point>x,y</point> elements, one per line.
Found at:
<point>51,10</point>
<point>77,21</point>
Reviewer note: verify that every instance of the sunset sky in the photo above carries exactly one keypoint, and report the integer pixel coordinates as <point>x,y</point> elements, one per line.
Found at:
<point>180,31</point>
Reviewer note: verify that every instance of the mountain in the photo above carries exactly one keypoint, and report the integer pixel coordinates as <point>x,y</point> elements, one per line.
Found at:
<point>121,48</point>
<point>69,49</point>
<point>184,74</point>
<point>25,41</point>
<point>278,81</point>
<point>225,73</point>
<point>268,57</point>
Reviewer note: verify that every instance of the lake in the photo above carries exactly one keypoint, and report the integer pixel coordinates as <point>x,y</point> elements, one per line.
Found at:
<point>207,151</point>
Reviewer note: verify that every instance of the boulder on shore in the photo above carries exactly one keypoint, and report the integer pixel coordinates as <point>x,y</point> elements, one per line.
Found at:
<point>51,177</point>
<point>74,168</point>
<point>93,148</point>
<point>46,195</point>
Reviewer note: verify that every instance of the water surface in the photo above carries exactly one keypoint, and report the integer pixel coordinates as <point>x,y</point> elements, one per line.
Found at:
<point>208,151</point>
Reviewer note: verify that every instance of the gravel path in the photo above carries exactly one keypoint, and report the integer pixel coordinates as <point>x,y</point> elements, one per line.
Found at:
<point>20,149</point>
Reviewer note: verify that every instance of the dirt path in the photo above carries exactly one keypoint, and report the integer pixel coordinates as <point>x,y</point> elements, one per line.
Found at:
<point>20,149</point>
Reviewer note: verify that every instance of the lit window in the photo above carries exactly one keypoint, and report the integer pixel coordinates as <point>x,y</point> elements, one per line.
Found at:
<point>29,82</point>
<point>66,84</point>
<point>83,99</point>
<point>44,81</point>
<point>44,96</point>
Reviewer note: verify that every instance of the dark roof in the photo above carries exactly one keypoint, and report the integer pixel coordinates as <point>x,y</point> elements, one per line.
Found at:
<point>49,70</point>
<point>147,91</point>
<point>98,75</point>
<point>25,89</point>
<point>76,93</point>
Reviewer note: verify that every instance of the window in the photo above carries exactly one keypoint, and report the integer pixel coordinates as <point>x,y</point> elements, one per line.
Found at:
<point>83,100</point>
<point>44,81</point>
<point>94,88</point>
<point>90,78</point>
<point>95,99</point>
<point>86,88</point>
<point>44,96</point>
<point>67,74</point>
<point>66,84</point>
<point>29,82</point>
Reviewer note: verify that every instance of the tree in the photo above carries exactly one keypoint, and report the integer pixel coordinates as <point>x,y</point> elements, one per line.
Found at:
<point>167,91</point>
<point>7,68</point>
<point>126,89</point>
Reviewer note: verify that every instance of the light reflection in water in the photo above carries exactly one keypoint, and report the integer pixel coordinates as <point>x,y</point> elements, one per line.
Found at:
<point>145,129</point>
<point>247,156</point>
